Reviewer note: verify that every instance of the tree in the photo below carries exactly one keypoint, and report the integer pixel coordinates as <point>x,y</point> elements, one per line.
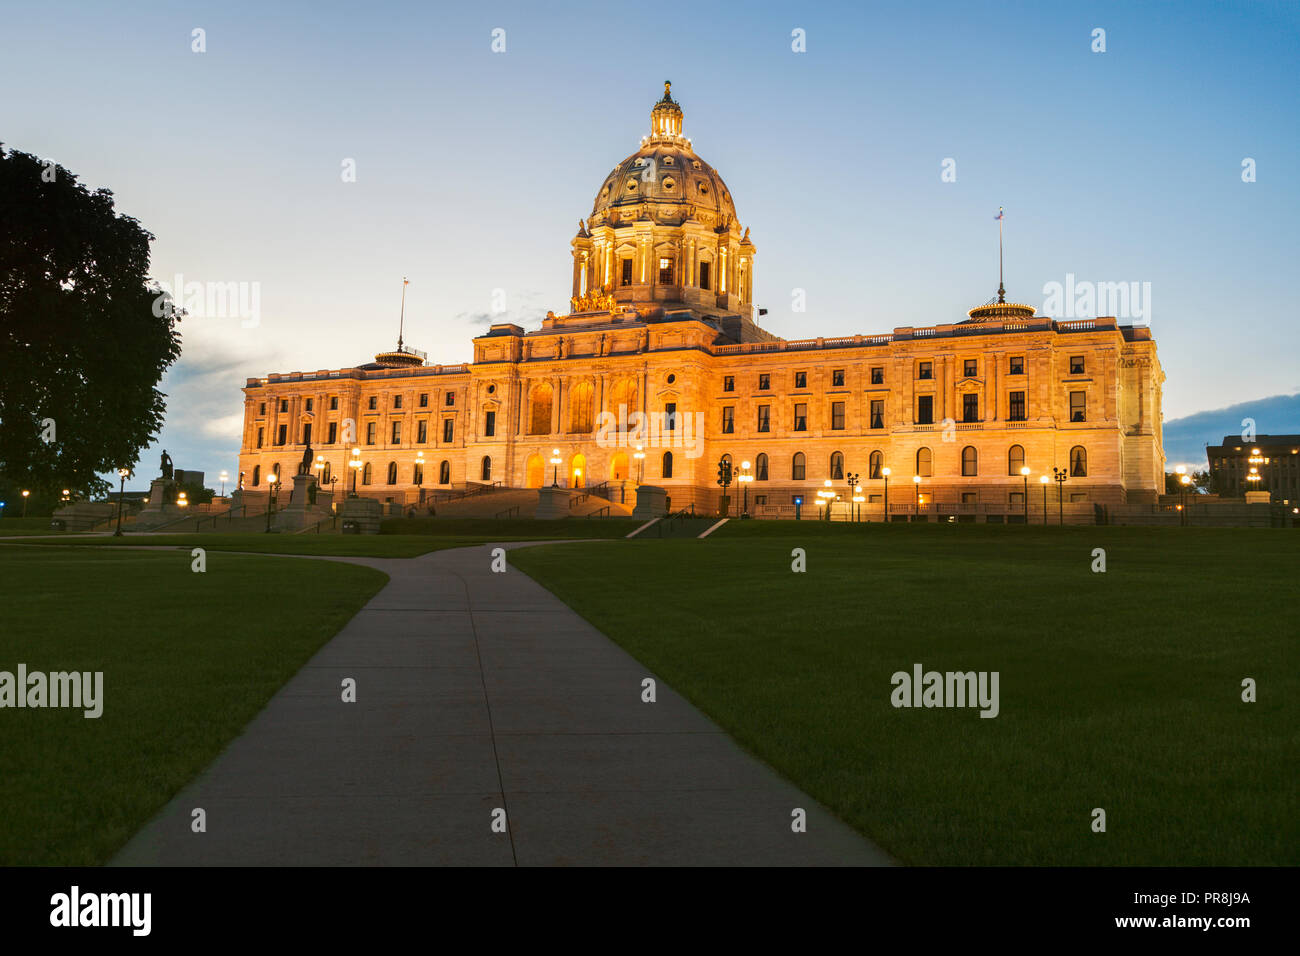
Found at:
<point>85,335</point>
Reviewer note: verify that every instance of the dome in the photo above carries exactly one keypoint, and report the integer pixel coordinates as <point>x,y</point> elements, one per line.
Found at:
<point>664,180</point>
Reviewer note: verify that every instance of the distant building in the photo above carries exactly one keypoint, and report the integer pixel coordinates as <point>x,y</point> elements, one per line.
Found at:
<point>188,477</point>
<point>1275,458</point>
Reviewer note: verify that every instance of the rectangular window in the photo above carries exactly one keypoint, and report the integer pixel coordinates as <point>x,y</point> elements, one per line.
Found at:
<point>334,403</point>
<point>261,432</point>
<point>924,370</point>
<point>424,399</point>
<point>1016,407</point>
<point>490,425</point>
<point>397,401</point>
<point>282,434</point>
<point>284,404</point>
<point>877,375</point>
<point>1017,498</point>
<point>760,500</point>
<point>969,497</point>
<point>1078,406</point>
<point>728,420</point>
<point>373,403</point>
<point>1076,364</point>
<point>665,272</point>
<point>837,378</point>
<point>878,413</point>
<point>422,431</point>
<point>801,418</point>
<point>261,409</point>
<point>837,416</point>
<point>627,272</point>
<point>670,416</point>
<point>397,433</point>
<point>448,429</point>
<point>371,428</point>
<point>309,404</point>
<point>970,408</point>
<point>800,379</point>
<point>729,383</point>
<point>764,382</point>
<point>765,418</point>
<point>451,400</point>
<point>1017,365</point>
<point>925,410</point>
<point>704,275</point>
<point>970,368</point>
<point>306,433</point>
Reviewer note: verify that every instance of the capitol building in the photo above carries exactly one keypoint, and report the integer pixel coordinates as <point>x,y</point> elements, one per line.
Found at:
<point>658,370</point>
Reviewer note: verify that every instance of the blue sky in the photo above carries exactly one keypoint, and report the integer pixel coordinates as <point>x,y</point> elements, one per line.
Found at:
<point>473,167</point>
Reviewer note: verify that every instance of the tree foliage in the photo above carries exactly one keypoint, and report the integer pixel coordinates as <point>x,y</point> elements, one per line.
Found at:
<point>82,343</point>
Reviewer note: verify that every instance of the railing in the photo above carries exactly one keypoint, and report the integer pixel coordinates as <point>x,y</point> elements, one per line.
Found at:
<point>600,491</point>
<point>512,512</point>
<point>600,513</point>
<point>481,489</point>
<point>332,521</point>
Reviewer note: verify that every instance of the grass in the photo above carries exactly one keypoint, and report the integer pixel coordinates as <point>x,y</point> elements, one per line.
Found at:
<point>513,529</point>
<point>39,524</point>
<point>188,659</point>
<point>346,545</point>
<point>1119,690</point>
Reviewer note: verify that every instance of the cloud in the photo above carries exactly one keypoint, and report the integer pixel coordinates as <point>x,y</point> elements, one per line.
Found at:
<point>1185,438</point>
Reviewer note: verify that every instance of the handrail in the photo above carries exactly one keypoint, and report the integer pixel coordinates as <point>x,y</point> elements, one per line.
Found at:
<point>332,519</point>
<point>599,513</point>
<point>512,512</point>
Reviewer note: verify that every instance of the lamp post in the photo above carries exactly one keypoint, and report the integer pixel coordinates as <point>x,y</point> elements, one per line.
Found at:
<point>270,499</point>
<point>885,471</point>
<point>1043,481</point>
<point>1060,476</point>
<point>858,498</point>
<point>639,455</point>
<point>852,480</point>
<point>1185,481</point>
<point>224,476</point>
<point>916,482</point>
<point>27,494</point>
<point>121,496</point>
<point>826,496</point>
<point>1024,473</point>
<point>555,468</point>
<point>745,478</point>
<point>355,464</point>
<point>724,478</point>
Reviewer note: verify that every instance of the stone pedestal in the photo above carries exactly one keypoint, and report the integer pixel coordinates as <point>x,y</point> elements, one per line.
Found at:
<point>297,513</point>
<point>552,503</point>
<point>651,502</point>
<point>361,516</point>
<point>159,492</point>
<point>1258,497</point>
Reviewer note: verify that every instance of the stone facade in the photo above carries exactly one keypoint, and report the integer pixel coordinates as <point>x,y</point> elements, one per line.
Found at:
<point>659,353</point>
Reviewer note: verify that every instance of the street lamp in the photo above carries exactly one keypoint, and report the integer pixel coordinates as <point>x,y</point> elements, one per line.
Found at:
<point>555,467</point>
<point>1024,473</point>
<point>858,499</point>
<point>1185,480</point>
<point>639,455</point>
<point>270,500</point>
<point>224,476</point>
<point>854,488</point>
<point>1060,476</point>
<point>355,464</point>
<point>27,494</point>
<point>826,496</point>
<point>885,471</point>
<point>745,478</point>
<point>1043,481</point>
<point>181,500</point>
<point>121,495</point>
<point>916,481</point>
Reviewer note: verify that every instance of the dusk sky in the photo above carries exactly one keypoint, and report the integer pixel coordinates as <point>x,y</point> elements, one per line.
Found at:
<point>474,167</point>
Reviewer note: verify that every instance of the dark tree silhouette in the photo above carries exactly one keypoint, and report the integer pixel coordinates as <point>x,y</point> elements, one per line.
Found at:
<point>84,337</point>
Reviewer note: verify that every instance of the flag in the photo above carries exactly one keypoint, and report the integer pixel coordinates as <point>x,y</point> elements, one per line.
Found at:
<point>405,281</point>
<point>1001,214</point>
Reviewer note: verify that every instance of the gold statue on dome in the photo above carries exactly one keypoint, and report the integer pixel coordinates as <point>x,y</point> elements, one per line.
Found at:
<point>595,300</point>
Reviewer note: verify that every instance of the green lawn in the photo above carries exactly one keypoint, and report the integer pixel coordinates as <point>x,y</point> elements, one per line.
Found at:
<point>513,529</point>
<point>24,526</point>
<point>1118,690</point>
<point>346,545</point>
<point>188,659</point>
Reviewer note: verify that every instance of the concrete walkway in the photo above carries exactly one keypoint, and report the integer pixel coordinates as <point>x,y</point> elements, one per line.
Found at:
<point>478,691</point>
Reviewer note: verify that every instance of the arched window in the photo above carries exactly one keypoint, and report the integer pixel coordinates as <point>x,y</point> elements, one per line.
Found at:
<point>1078,462</point>
<point>875,463</point>
<point>392,472</point>
<point>418,474</point>
<point>668,464</point>
<point>276,468</point>
<point>365,474</point>
<point>487,468</point>
<point>535,471</point>
<point>797,467</point>
<point>969,461</point>
<point>444,473</point>
<point>923,462</point>
<point>1015,459</point>
<point>760,468</point>
<point>624,394</point>
<point>257,475</point>
<point>539,418</point>
<point>618,467</point>
<point>326,474</point>
<point>580,406</point>
<point>837,465</point>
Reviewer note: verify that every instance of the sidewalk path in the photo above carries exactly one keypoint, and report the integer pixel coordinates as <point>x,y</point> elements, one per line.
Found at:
<point>478,691</point>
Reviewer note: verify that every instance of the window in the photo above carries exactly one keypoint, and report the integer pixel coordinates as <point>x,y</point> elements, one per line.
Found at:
<point>797,467</point>
<point>276,468</point>
<point>261,409</point>
<point>1017,498</point>
<point>417,473</point>
<point>764,382</point>
<point>969,461</point>
<point>800,379</point>
<point>334,403</point>
<point>837,465</point>
<point>877,375</point>
<point>485,469</point>
<point>397,401</point>
<point>704,275</point>
<point>282,434</point>
<point>284,404</point>
<point>257,475</point>
<point>760,501</point>
<point>970,368</point>
<point>801,418</point>
<point>760,468</point>
<point>1078,406</point>
<point>668,464</point>
<point>729,383</point>
<point>332,435</point>
<point>837,378</point>
<point>392,472</point>
<point>1015,459</point>
<point>665,271</point>
<point>1076,364</point>
<point>397,433</point>
<point>366,473</point>
<point>765,418</point>
<point>728,420</point>
<point>874,464</point>
<point>373,403</point>
<point>1016,407</point>
<point>923,462</point>
<point>670,416</point>
<point>969,497</point>
<point>878,413</point>
<point>627,272</point>
<point>424,399</point>
<point>261,433</point>
<point>370,433</point>
<point>1017,366</point>
<point>448,429</point>
<point>970,408</point>
<point>306,433</point>
<point>444,473</point>
<point>924,370</point>
<point>450,400</point>
<point>1078,462</point>
<point>837,416</point>
<point>422,431</point>
<point>925,410</point>
<point>310,402</point>
<point>490,425</point>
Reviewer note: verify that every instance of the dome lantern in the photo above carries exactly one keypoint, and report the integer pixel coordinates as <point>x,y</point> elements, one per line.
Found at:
<point>666,120</point>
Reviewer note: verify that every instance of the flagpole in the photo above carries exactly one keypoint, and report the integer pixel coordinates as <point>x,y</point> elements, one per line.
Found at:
<point>1002,292</point>
<point>401,322</point>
